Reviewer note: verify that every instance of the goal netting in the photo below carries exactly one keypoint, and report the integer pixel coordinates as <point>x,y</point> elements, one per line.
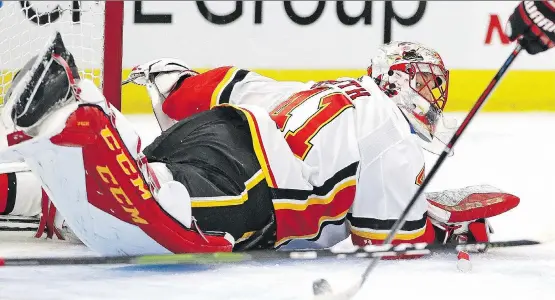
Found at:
<point>92,31</point>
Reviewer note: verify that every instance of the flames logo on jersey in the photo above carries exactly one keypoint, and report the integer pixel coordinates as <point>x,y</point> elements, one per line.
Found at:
<point>420,177</point>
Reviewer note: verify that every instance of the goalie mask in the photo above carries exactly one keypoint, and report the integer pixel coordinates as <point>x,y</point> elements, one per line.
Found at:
<point>416,80</point>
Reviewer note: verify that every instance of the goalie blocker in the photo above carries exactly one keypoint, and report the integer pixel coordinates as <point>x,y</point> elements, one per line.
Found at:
<point>118,200</point>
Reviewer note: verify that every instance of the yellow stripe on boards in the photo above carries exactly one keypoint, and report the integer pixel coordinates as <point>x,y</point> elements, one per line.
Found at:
<point>518,91</point>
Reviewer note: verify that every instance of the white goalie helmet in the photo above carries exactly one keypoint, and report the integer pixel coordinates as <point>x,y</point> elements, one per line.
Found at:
<point>416,79</point>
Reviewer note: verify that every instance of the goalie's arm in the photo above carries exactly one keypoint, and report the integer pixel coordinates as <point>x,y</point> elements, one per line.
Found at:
<point>177,92</point>
<point>226,85</point>
<point>202,92</point>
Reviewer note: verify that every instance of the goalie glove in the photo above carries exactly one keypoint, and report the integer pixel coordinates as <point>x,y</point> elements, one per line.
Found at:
<point>462,214</point>
<point>534,21</point>
<point>160,77</point>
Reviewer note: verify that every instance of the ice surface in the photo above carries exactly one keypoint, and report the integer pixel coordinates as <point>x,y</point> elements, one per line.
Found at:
<point>514,152</point>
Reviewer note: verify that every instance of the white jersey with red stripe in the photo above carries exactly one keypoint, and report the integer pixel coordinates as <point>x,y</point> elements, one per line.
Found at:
<point>339,155</point>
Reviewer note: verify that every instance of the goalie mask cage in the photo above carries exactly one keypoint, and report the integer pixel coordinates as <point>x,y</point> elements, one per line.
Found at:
<point>91,30</point>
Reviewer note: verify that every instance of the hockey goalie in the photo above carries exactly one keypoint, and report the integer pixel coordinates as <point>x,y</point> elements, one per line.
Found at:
<point>243,161</point>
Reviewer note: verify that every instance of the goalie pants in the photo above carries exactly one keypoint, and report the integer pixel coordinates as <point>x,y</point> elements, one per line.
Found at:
<point>211,153</point>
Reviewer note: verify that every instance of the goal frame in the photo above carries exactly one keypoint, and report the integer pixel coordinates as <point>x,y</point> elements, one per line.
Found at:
<point>113,52</point>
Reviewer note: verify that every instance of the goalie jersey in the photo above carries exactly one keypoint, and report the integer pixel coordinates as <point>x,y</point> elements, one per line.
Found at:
<point>338,155</point>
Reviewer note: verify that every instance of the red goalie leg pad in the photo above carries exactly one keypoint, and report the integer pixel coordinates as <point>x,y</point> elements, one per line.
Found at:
<point>427,236</point>
<point>115,185</point>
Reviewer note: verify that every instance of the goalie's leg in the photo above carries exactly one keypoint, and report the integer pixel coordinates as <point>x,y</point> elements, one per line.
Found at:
<point>89,170</point>
<point>84,153</point>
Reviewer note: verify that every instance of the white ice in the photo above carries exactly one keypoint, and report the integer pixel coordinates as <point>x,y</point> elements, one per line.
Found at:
<point>514,152</point>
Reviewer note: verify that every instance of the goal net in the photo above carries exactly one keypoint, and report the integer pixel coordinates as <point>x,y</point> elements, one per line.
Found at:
<point>91,30</point>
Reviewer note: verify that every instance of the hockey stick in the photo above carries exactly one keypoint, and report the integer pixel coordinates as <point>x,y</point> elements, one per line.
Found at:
<point>321,287</point>
<point>262,255</point>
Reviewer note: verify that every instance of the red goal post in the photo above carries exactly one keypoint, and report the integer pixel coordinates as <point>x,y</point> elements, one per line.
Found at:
<point>92,31</point>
